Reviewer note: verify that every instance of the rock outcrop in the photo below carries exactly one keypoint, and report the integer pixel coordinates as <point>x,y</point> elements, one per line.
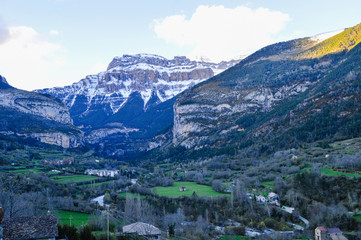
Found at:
<point>36,104</point>
<point>58,138</point>
<point>39,116</point>
<point>3,83</point>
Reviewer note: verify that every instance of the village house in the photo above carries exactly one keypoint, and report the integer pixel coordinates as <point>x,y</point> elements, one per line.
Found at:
<point>288,209</point>
<point>65,161</point>
<point>29,228</point>
<point>142,229</point>
<point>322,233</point>
<point>182,189</point>
<point>273,197</point>
<point>102,173</point>
<point>260,199</point>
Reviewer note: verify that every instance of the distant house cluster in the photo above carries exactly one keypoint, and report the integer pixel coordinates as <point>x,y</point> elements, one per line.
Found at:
<point>102,173</point>
<point>322,233</point>
<point>60,162</point>
<point>272,198</point>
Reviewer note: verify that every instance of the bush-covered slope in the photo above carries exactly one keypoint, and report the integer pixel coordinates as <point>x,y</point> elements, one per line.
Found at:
<point>274,99</point>
<point>343,41</point>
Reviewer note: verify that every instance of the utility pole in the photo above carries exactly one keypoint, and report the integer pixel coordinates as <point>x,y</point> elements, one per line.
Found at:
<point>108,223</point>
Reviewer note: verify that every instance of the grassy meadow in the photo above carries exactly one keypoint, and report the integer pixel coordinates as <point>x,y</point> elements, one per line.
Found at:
<point>200,190</point>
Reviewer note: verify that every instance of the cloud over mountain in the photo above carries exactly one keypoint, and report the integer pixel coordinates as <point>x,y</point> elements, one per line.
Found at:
<point>222,33</point>
<point>27,58</point>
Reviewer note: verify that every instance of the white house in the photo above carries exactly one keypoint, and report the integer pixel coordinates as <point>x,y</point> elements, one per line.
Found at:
<point>102,173</point>
<point>260,199</point>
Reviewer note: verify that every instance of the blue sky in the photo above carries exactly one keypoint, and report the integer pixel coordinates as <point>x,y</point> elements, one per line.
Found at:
<point>46,43</point>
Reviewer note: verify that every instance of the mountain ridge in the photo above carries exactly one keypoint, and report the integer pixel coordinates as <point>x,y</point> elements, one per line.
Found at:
<point>242,106</point>
<point>123,101</point>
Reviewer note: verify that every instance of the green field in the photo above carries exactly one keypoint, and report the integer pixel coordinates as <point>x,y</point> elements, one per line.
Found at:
<point>268,184</point>
<point>77,219</point>
<point>26,171</point>
<point>331,172</point>
<point>358,218</point>
<point>73,178</point>
<point>201,190</point>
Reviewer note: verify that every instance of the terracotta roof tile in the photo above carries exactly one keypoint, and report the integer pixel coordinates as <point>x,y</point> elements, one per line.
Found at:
<point>33,227</point>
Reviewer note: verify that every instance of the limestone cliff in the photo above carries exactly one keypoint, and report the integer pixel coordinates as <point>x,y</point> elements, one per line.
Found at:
<point>42,117</point>
<point>58,138</point>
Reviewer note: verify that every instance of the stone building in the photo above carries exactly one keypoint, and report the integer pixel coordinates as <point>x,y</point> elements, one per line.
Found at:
<point>322,233</point>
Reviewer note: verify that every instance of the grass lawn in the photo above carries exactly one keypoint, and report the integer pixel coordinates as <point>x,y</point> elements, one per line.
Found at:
<point>269,184</point>
<point>331,172</point>
<point>77,219</point>
<point>201,190</point>
<point>73,178</point>
<point>231,237</point>
<point>358,218</point>
<point>26,171</point>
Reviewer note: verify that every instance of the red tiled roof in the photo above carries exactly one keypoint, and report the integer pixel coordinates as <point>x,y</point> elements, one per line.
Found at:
<point>34,227</point>
<point>321,228</point>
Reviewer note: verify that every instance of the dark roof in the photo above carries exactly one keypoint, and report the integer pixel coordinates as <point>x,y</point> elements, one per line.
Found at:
<point>142,229</point>
<point>34,227</point>
<point>333,230</point>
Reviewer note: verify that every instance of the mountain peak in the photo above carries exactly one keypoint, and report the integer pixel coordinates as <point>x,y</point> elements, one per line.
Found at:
<point>150,59</point>
<point>3,83</point>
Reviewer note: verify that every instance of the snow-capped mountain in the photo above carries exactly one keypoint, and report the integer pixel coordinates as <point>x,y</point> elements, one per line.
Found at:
<point>149,75</point>
<point>133,87</point>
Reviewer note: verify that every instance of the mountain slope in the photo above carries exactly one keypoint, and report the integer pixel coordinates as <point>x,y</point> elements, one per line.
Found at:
<point>130,103</point>
<point>275,99</point>
<point>344,41</point>
<point>29,114</point>
<point>3,83</point>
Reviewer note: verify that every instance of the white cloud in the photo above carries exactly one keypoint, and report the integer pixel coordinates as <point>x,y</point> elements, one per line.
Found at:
<point>54,32</point>
<point>28,60</point>
<point>222,33</point>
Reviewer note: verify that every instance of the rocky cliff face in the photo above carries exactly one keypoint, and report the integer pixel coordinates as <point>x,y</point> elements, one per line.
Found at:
<point>277,84</point>
<point>64,140</point>
<point>36,104</point>
<point>30,114</point>
<point>152,77</point>
<point>131,102</point>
